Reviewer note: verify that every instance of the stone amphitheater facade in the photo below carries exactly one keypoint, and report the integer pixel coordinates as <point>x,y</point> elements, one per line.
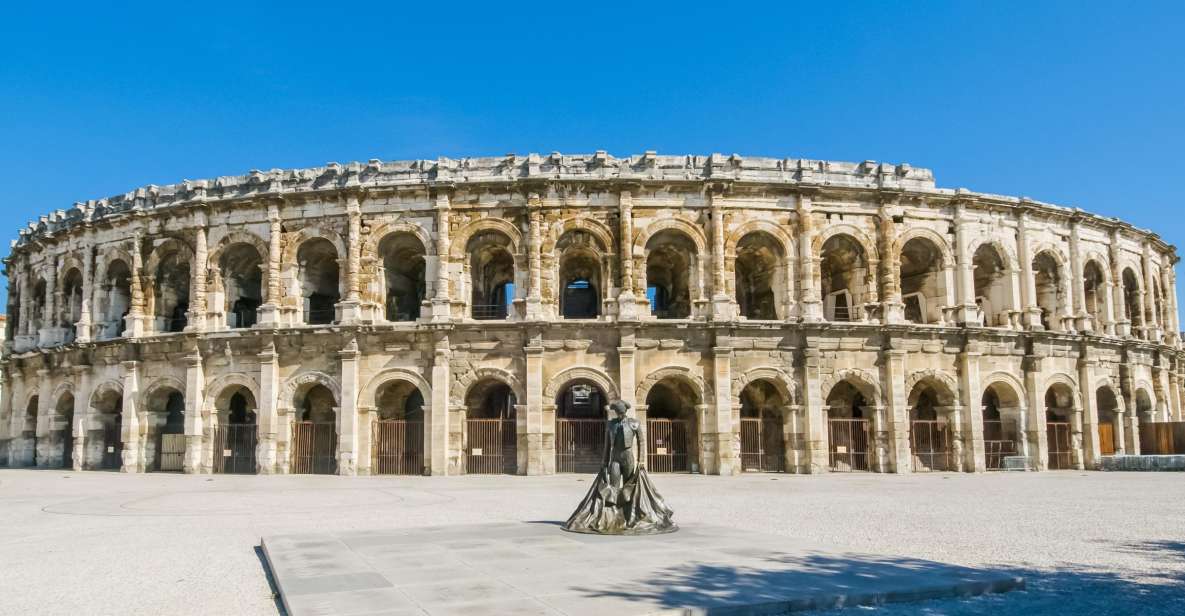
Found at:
<point>465,316</point>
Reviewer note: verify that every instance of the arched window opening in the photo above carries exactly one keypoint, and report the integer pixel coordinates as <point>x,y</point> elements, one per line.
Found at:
<point>843,271</point>
<point>1131,302</point>
<point>104,445</point>
<point>763,441</point>
<point>992,284</point>
<point>117,300</point>
<point>320,282</point>
<point>672,428</point>
<point>580,276</point>
<point>241,267</point>
<point>236,431</point>
<point>1158,303</point>
<point>491,270</point>
<point>398,434</point>
<point>399,401</point>
<point>923,287</point>
<point>1093,293</point>
<point>315,434</point>
<point>403,276</point>
<point>490,437</point>
<point>70,312</point>
<point>165,442</point>
<point>1051,297</point>
<point>62,430</point>
<point>1108,409</point>
<point>848,429</point>
<point>1062,441</point>
<point>37,319</point>
<point>13,324</point>
<point>931,434</point>
<point>1001,430</point>
<point>580,428</point>
<point>760,276</point>
<point>670,256</point>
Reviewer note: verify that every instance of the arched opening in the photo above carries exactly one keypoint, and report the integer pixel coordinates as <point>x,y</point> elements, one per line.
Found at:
<point>763,436</point>
<point>1158,303</point>
<point>320,280</point>
<point>848,428</point>
<point>992,286</point>
<point>923,284</point>
<point>170,292</point>
<point>1002,432</point>
<point>399,431</point>
<point>165,443</point>
<point>241,267</point>
<point>61,433</point>
<point>70,312</point>
<point>236,433</point>
<point>672,429</point>
<point>490,439</point>
<point>670,256</point>
<point>1060,431</point>
<point>1145,420</point>
<point>117,300</point>
<point>104,445</point>
<point>760,276</point>
<point>1051,298</point>
<point>12,327</point>
<point>1132,304</point>
<point>1093,294</point>
<point>403,276</point>
<point>581,279</point>
<point>1107,405</point>
<point>931,430</point>
<point>37,319</point>
<point>491,272</point>
<point>580,427</point>
<point>29,431</point>
<point>843,275</point>
<point>314,434</point>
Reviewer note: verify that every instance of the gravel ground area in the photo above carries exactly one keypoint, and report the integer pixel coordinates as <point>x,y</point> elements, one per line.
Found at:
<point>107,543</point>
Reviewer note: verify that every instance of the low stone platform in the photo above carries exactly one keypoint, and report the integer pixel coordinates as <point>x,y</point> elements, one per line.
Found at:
<point>536,568</point>
<point>1171,463</point>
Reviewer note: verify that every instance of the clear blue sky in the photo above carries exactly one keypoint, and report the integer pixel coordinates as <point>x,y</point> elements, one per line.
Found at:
<point>1076,103</point>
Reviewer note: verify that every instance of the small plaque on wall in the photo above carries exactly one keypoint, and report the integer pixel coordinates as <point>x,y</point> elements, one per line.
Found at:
<point>662,451</point>
<point>110,450</point>
<point>226,453</point>
<point>841,449</point>
<point>476,451</point>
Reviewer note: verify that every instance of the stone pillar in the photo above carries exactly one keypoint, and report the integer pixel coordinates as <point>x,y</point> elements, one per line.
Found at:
<point>1082,320</point>
<point>367,416</point>
<point>815,416</point>
<point>1091,447</point>
<point>81,419</point>
<point>130,430</point>
<point>530,431</point>
<point>441,310</point>
<point>45,411</point>
<point>83,326</point>
<point>727,434</point>
<point>195,385</point>
<point>134,324</point>
<point>897,411</point>
<point>723,307</point>
<point>269,312</point>
<point>967,311</point>
<point>1122,318</point>
<point>534,310</point>
<point>1174,324</point>
<point>1036,436</point>
<point>626,375</point>
<point>628,308</point>
<point>1120,432</point>
<point>792,437</point>
<point>49,318</point>
<point>974,453</point>
<point>1109,319</point>
<point>812,303</point>
<point>347,431</point>
<point>1031,311</point>
<point>269,384</point>
<point>893,307</point>
<point>436,431</point>
<point>350,311</point>
<point>1151,318</point>
<point>196,319</point>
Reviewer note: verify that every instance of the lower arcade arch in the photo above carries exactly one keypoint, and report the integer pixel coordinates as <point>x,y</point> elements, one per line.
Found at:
<point>1002,429</point>
<point>236,431</point>
<point>397,435</point>
<point>314,433</point>
<point>849,428</point>
<point>164,443</point>
<point>580,427</point>
<point>490,438</point>
<point>764,410</point>
<point>104,444</point>
<point>933,432</point>
<point>1110,421</point>
<point>1063,429</point>
<point>672,427</point>
<point>61,432</point>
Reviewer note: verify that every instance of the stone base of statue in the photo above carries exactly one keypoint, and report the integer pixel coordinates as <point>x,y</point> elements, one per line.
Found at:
<point>634,508</point>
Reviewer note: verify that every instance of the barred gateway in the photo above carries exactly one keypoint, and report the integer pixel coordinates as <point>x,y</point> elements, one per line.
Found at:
<point>474,316</point>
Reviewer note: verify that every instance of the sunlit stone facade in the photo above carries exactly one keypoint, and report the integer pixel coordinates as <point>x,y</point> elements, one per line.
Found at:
<point>464,316</point>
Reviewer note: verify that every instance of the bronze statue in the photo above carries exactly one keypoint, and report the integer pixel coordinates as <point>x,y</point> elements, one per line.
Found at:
<point>622,501</point>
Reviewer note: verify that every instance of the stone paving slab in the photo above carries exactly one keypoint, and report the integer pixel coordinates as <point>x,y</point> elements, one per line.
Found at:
<point>536,568</point>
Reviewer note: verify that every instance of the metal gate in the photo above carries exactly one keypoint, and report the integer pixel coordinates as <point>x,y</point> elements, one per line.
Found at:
<point>1060,457</point>
<point>995,446</point>
<point>234,448</point>
<point>1107,438</point>
<point>847,444</point>
<point>171,452</point>
<point>314,448</point>
<point>112,448</point>
<point>398,447</point>
<point>930,442</point>
<point>491,447</point>
<point>579,445</point>
<point>67,449</point>
<point>667,445</point>
<point>762,447</point>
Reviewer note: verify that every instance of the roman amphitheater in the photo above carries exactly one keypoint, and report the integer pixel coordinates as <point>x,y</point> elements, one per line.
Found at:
<point>474,316</point>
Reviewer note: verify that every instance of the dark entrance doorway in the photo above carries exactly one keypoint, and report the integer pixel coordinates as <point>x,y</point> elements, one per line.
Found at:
<point>580,428</point>
<point>398,435</point>
<point>671,427</point>
<point>236,435</point>
<point>314,437</point>
<point>763,444</point>
<point>491,441</point>
<point>847,429</point>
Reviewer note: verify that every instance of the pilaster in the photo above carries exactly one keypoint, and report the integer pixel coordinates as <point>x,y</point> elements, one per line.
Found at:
<point>441,309</point>
<point>196,319</point>
<point>974,452</point>
<point>897,410</point>
<point>812,303</point>
<point>815,417</point>
<point>539,456</point>
<point>1035,428</point>
<point>727,432</point>
<point>1028,286</point>
<point>534,302</point>
<point>436,431</point>
<point>350,310</point>
<point>129,431</point>
<point>1091,447</point>
<point>81,418</point>
<point>266,448</point>
<point>347,444</point>
<point>892,306</point>
<point>269,312</point>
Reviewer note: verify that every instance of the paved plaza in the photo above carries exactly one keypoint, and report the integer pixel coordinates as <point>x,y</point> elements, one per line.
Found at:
<point>107,543</point>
